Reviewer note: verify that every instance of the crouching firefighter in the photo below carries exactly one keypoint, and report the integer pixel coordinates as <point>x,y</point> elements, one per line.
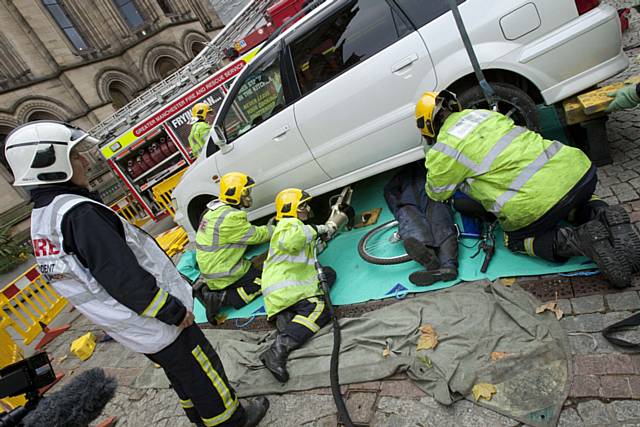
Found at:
<point>529,183</point>
<point>141,300</point>
<point>290,283</point>
<point>224,234</point>
<point>426,226</point>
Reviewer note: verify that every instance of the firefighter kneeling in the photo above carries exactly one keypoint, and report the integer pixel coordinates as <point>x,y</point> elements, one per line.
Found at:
<point>289,281</point>
<point>529,183</point>
<point>224,234</point>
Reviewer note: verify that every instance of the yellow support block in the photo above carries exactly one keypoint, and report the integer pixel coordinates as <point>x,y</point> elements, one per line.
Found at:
<point>591,105</point>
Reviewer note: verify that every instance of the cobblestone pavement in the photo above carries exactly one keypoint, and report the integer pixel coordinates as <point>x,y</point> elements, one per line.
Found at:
<point>606,381</point>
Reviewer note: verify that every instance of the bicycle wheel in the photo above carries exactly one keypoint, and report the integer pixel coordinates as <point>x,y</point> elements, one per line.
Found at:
<point>383,246</point>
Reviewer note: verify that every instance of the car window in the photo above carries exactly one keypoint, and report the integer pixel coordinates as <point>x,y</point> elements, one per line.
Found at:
<point>421,12</point>
<point>354,33</point>
<point>260,96</point>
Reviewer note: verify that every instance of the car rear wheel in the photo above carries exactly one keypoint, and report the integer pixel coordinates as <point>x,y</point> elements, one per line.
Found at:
<point>512,102</point>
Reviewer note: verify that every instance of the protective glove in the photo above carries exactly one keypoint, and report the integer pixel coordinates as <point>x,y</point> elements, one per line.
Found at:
<point>626,97</point>
<point>351,214</point>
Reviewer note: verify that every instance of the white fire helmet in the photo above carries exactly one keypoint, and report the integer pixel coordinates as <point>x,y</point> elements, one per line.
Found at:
<point>39,152</point>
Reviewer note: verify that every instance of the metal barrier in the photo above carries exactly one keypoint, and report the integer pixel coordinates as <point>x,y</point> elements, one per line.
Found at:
<point>129,209</point>
<point>28,305</point>
<point>162,192</point>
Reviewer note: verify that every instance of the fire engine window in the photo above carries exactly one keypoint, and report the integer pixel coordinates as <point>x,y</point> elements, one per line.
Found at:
<point>259,97</point>
<point>355,33</point>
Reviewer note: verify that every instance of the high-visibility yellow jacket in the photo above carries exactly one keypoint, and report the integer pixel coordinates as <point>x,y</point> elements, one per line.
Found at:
<point>289,273</point>
<point>513,172</point>
<point>198,136</point>
<point>221,241</point>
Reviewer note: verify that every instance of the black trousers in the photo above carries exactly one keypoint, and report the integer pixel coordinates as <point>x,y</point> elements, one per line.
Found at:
<point>577,206</point>
<point>307,316</point>
<point>197,376</point>
<point>244,290</point>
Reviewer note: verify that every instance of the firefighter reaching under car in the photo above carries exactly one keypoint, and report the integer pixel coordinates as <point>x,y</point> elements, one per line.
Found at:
<point>223,237</point>
<point>290,283</point>
<point>529,183</point>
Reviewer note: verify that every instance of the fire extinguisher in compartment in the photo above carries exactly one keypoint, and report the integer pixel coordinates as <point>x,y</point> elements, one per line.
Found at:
<point>141,164</point>
<point>133,169</point>
<point>164,147</point>
<point>146,158</point>
<point>156,154</point>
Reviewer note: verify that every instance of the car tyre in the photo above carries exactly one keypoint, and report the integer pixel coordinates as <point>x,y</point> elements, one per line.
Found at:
<point>512,101</point>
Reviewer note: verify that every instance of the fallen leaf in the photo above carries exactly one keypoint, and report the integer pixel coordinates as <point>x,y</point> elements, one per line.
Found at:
<point>155,365</point>
<point>426,361</point>
<point>486,391</point>
<point>63,358</point>
<point>387,351</point>
<point>428,339</point>
<point>497,355</point>
<point>508,281</point>
<point>550,306</point>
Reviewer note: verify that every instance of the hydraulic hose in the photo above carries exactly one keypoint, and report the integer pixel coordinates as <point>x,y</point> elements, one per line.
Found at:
<point>343,413</point>
<point>487,90</point>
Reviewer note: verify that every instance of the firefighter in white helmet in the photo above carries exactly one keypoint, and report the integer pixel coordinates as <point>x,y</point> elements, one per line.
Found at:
<point>116,275</point>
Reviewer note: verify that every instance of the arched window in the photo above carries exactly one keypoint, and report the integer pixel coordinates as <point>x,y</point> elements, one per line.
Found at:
<point>166,7</point>
<point>130,13</point>
<point>42,115</point>
<point>4,132</point>
<point>120,95</point>
<point>165,66</point>
<point>64,22</point>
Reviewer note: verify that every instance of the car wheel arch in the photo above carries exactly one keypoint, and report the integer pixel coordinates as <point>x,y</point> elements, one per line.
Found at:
<point>196,207</point>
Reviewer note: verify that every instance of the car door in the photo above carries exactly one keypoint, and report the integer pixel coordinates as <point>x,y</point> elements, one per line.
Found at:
<point>260,127</point>
<point>360,72</point>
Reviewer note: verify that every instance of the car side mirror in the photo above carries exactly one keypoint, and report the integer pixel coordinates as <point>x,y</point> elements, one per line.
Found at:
<point>219,138</point>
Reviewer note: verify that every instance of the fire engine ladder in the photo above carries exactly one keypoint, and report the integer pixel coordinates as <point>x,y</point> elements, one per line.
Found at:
<point>208,59</point>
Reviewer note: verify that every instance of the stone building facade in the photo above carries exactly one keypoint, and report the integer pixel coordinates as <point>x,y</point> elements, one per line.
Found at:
<point>81,60</point>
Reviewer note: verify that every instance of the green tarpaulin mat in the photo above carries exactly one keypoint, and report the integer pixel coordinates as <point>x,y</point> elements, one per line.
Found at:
<point>359,281</point>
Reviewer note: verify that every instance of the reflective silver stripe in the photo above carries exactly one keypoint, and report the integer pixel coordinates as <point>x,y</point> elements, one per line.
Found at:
<point>457,156</point>
<point>214,248</point>
<point>220,275</point>
<point>443,188</point>
<point>296,259</point>
<point>499,147</point>
<point>525,175</point>
<point>248,234</point>
<point>491,156</point>
<point>287,283</point>
<point>215,235</point>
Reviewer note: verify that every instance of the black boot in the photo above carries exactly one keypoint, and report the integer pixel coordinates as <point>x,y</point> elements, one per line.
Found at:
<point>447,268</point>
<point>622,236</point>
<point>283,318</point>
<point>212,301</point>
<point>420,253</point>
<point>254,411</point>
<point>429,277</point>
<point>275,358</point>
<point>592,240</point>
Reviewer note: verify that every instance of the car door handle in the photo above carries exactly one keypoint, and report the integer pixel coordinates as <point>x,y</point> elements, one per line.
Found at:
<point>404,62</point>
<point>281,132</point>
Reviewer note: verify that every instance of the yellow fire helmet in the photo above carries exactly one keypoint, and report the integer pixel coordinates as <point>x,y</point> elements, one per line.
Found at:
<point>428,107</point>
<point>288,201</point>
<point>200,110</point>
<point>233,185</point>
